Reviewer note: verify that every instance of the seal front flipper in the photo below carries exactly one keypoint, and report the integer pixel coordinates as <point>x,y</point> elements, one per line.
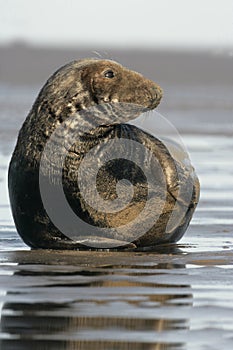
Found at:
<point>84,244</point>
<point>105,243</point>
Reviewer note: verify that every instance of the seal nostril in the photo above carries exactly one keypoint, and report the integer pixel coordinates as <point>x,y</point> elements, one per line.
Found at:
<point>156,95</point>
<point>157,91</point>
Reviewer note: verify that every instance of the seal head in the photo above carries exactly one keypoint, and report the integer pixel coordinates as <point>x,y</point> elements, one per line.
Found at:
<point>81,84</point>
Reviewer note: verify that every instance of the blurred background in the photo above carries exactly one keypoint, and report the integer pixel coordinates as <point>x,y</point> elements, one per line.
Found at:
<point>185,46</point>
<point>123,23</point>
<point>181,41</point>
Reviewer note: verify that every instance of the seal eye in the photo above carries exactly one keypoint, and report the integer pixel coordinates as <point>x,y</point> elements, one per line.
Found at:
<point>109,74</point>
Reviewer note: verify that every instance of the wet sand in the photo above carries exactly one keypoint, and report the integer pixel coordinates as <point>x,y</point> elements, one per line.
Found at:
<point>174,297</point>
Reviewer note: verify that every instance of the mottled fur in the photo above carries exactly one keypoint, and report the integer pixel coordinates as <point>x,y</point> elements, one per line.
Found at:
<point>75,87</point>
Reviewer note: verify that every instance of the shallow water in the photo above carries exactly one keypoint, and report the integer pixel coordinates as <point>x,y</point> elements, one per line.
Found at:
<point>178,297</point>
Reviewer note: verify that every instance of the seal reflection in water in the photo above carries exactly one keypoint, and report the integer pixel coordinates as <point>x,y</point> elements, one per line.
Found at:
<point>103,86</point>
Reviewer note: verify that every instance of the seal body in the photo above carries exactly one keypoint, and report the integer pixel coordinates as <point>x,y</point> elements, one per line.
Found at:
<point>74,88</point>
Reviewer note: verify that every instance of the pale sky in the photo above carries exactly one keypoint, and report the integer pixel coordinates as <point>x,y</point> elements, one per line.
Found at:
<point>125,23</point>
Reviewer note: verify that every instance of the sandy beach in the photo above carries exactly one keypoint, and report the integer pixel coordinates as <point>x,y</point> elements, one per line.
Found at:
<point>175,297</point>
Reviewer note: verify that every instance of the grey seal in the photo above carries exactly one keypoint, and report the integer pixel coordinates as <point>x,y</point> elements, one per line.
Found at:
<point>76,87</point>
